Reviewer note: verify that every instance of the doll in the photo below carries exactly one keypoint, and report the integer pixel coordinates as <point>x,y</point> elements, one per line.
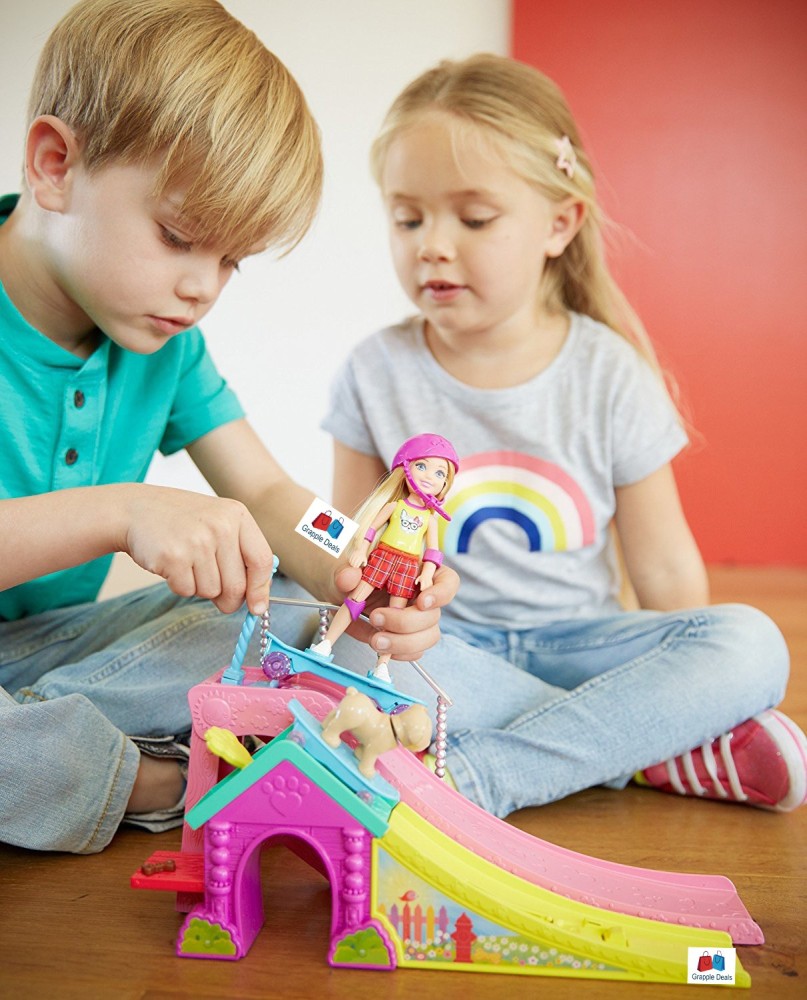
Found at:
<point>402,505</point>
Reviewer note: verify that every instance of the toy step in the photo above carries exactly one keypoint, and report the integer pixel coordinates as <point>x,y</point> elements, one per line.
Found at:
<point>171,871</point>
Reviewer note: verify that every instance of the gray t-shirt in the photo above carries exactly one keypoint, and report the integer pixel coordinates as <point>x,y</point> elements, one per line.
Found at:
<point>539,463</point>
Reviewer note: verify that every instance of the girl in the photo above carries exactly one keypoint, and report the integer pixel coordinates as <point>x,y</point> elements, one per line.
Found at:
<point>529,357</point>
<point>420,475</point>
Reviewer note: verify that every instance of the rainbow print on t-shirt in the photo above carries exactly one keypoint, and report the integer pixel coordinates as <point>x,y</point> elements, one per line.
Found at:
<point>539,497</point>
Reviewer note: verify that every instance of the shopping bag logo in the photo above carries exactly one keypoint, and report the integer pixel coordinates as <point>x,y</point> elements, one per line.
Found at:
<point>715,966</point>
<point>322,521</point>
<point>326,527</point>
<point>336,526</point>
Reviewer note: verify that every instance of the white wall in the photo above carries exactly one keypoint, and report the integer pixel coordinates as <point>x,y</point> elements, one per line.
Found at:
<point>281,327</point>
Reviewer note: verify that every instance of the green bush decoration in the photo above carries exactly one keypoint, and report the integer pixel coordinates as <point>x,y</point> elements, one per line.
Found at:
<point>362,948</point>
<point>203,938</point>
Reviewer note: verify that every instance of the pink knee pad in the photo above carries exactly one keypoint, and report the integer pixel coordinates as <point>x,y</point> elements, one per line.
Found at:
<point>354,607</point>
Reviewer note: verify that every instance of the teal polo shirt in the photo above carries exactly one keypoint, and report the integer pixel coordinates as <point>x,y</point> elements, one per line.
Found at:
<point>67,421</point>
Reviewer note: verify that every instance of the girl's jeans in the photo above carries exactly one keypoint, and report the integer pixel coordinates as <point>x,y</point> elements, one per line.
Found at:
<point>536,715</point>
<point>540,714</point>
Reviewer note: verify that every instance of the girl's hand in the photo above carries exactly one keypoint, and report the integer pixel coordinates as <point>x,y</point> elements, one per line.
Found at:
<point>407,632</point>
<point>200,545</point>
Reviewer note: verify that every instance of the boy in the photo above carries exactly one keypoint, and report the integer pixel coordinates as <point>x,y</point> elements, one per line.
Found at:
<point>165,143</point>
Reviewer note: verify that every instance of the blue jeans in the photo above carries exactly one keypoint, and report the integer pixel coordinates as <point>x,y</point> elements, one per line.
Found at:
<point>542,713</point>
<point>76,683</point>
<point>537,715</point>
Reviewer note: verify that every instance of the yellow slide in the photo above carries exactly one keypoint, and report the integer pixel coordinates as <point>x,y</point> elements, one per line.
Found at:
<point>444,907</point>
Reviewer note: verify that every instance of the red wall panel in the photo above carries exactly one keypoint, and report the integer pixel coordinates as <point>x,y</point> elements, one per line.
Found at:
<point>695,114</point>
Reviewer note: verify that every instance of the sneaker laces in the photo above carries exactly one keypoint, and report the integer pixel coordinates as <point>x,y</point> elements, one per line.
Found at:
<point>735,790</point>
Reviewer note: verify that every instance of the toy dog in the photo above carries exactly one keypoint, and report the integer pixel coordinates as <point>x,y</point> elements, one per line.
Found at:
<point>375,731</point>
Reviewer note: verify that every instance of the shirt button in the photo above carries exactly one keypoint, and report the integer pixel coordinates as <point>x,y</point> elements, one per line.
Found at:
<point>79,399</point>
<point>71,456</point>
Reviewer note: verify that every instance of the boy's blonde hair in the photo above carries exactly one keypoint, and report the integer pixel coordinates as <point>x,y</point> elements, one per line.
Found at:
<point>185,81</point>
<point>526,115</point>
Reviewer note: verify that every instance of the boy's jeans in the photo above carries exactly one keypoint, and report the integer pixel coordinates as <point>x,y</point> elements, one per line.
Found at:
<point>76,682</point>
<point>536,715</point>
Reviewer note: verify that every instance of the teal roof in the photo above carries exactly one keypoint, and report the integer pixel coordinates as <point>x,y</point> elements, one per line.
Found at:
<point>369,801</point>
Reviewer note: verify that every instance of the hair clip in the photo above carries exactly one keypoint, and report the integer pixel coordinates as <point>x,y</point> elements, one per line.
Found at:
<point>567,158</point>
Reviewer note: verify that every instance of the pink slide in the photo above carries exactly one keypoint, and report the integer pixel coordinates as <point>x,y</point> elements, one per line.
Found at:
<point>708,901</point>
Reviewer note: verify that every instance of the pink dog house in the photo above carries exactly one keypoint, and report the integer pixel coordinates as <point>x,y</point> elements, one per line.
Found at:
<point>286,793</point>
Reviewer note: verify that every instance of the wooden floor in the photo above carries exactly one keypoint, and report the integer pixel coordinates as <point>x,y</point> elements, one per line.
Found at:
<point>70,926</point>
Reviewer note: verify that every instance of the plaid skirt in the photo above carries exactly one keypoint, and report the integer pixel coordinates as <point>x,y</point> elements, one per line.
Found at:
<point>393,569</point>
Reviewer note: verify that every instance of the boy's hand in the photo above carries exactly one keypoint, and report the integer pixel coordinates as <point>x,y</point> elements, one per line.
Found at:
<point>200,545</point>
<point>405,632</point>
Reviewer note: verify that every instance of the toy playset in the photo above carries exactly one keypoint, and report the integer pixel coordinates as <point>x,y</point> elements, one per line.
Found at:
<point>419,876</point>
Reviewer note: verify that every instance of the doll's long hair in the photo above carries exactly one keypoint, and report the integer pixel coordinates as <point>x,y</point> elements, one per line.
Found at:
<point>391,488</point>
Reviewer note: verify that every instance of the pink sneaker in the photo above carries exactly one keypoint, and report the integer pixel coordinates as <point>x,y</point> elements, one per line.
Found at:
<point>762,762</point>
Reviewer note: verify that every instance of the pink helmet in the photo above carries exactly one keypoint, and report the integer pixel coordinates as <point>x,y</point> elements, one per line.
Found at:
<point>425,446</point>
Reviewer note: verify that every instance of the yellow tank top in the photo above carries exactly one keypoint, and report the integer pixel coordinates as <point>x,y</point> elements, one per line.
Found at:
<point>406,528</point>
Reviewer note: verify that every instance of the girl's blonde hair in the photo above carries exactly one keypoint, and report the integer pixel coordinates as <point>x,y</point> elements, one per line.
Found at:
<point>526,115</point>
<point>184,81</point>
